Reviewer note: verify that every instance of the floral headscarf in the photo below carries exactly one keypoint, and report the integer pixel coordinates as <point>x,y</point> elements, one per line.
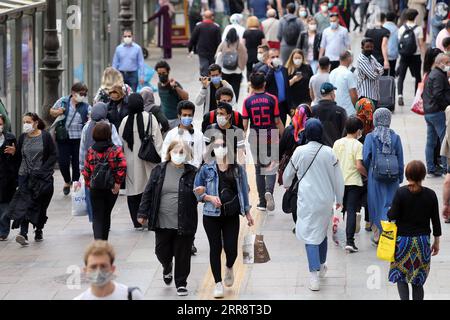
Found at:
<point>299,120</point>
<point>364,112</point>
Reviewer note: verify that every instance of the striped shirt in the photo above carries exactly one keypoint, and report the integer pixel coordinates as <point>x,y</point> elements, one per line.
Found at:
<point>74,127</point>
<point>369,73</point>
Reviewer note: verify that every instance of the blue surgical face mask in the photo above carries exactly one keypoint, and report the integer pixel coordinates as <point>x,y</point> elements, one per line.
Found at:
<point>334,25</point>
<point>187,121</point>
<point>216,80</point>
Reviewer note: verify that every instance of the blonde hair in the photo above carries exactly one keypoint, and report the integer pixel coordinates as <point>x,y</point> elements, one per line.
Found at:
<point>252,22</point>
<point>99,248</point>
<point>179,143</point>
<point>111,78</point>
<point>290,66</point>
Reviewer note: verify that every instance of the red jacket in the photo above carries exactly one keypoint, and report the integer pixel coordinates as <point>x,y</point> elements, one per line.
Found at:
<point>116,160</point>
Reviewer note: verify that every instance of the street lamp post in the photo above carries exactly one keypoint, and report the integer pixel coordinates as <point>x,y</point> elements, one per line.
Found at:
<point>50,62</point>
<point>126,15</point>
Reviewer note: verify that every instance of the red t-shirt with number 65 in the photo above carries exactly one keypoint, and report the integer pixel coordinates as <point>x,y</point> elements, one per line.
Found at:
<point>261,109</point>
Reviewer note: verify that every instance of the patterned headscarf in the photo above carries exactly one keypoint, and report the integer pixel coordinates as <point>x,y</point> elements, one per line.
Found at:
<point>364,112</point>
<point>382,121</point>
<point>299,120</point>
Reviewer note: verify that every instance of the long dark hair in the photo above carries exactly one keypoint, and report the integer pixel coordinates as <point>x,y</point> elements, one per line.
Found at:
<point>36,118</point>
<point>232,36</point>
<point>430,57</point>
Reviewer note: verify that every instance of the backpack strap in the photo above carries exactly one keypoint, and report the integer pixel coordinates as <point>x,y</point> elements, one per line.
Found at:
<point>212,116</point>
<point>236,118</point>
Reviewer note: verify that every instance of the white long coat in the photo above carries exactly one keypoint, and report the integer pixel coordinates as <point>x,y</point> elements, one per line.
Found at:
<point>321,187</point>
<point>138,171</point>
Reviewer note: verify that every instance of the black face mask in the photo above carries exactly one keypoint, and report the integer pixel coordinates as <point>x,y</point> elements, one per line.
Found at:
<point>164,78</point>
<point>367,53</point>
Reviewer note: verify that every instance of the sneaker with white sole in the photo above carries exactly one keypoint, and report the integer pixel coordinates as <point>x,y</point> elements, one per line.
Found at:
<point>270,202</point>
<point>22,240</point>
<point>229,277</point>
<point>182,291</point>
<point>351,248</point>
<point>261,207</point>
<point>314,282</point>
<point>219,291</point>
<point>323,270</point>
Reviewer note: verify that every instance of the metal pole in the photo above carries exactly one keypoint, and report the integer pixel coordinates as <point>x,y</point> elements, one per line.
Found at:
<point>51,62</point>
<point>126,19</point>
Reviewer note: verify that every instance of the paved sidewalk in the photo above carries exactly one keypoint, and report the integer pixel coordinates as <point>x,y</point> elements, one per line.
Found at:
<point>42,271</point>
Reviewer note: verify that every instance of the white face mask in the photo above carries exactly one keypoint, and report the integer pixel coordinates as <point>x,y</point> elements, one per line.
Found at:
<point>324,8</point>
<point>260,57</point>
<point>298,62</point>
<point>446,68</point>
<point>1,130</point>
<point>312,27</point>
<point>220,152</point>
<point>28,128</point>
<point>177,158</point>
<point>222,121</point>
<point>78,98</point>
<point>276,62</point>
<point>128,41</point>
<point>303,14</point>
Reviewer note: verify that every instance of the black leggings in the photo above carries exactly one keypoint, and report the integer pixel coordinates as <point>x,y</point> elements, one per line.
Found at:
<point>414,64</point>
<point>222,232</point>
<point>234,79</point>
<point>133,205</point>
<point>103,202</point>
<point>403,290</point>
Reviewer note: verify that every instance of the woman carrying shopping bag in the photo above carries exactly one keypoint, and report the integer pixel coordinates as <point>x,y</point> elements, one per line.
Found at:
<point>223,187</point>
<point>413,208</point>
<point>320,185</point>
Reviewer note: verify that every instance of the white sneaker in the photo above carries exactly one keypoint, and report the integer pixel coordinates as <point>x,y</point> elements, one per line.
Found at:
<point>314,282</point>
<point>270,202</point>
<point>323,270</point>
<point>229,277</point>
<point>218,291</point>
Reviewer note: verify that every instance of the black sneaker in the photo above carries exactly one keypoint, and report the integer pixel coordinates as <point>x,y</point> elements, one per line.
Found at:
<point>193,250</point>
<point>3,238</point>
<point>168,276</point>
<point>350,247</point>
<point>182,291</point>
<point>38,236</point>
<point>262,207</point>
<point>22,240</point>
<point>66,190</point>
<point>401,102</point>
<point>437,173</point>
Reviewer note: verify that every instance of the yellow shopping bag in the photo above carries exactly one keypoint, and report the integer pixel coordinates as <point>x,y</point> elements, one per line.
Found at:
<point>388,238</point>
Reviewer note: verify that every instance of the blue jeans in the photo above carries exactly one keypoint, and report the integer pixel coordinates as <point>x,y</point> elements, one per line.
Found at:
<point>264,183</point>
<point>317,255</point>
<point>88,203</point>
<point>131,78</point>
<point>435,129</point>
<point>5,222</point>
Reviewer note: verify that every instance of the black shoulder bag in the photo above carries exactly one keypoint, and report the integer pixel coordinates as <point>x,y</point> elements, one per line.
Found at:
<point>147,151</point>
<point>293,190</point>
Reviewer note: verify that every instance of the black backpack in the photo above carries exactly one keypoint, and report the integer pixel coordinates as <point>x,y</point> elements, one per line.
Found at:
<point>291,32</point>
<point>102,177</point>
<point>231,59</point>
<point>408,45</point>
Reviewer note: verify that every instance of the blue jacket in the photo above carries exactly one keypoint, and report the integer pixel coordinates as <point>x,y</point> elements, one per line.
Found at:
<point>208,177</point>
<point>82,107</point>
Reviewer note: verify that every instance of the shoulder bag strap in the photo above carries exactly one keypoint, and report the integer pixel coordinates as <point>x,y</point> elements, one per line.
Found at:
<point>306,171</point>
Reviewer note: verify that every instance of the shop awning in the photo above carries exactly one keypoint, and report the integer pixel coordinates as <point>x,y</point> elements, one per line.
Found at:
<point>13,6</point>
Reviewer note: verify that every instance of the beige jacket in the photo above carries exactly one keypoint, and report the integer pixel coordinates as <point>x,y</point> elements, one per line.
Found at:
<point>242,53</point>
<point>445,148</point>
<point>138,171</point>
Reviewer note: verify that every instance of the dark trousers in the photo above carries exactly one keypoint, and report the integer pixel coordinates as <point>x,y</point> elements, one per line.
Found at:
<point>346,16</point>
<point>403,290</point>
<point>352,203</point>
<point>170,244</point>
<point>102,205</point>
<point>68,155</point>
<point>220,229</point>
<point>264,183</point>
<point>234,79</point>
<point>334,65</point>
<point>133,205</point>
<point>414,64</point>
<point>131,78</point>
<point>205,62</point>
<point>284,111</point>
<point>5,222</point>
<point>391,71</point>
<point>193,20</point>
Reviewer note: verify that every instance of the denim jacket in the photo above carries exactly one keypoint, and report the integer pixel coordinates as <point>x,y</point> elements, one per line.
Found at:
<point>208,177</point>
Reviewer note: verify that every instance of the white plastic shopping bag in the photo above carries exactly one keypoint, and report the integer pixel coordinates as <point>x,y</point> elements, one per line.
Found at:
<point>79,206</point>
<point>339,234</point>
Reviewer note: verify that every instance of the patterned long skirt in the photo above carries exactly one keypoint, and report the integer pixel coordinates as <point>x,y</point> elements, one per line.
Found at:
<point>412,260</point>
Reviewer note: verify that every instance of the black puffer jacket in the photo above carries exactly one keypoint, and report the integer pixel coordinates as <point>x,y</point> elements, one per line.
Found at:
<point>436,93</point>
<point>8,170</point>
<point>187,201</point>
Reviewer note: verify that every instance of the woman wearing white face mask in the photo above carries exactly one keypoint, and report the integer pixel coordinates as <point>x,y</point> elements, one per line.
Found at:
<point>36,154</point>
<point>309,43</point>
<point>299,75</point>
<point>223,187</point>
<point>169,206</point>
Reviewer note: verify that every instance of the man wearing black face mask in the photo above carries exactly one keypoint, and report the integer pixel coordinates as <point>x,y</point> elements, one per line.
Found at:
<point>170,93</point>
<point>369,73</point>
